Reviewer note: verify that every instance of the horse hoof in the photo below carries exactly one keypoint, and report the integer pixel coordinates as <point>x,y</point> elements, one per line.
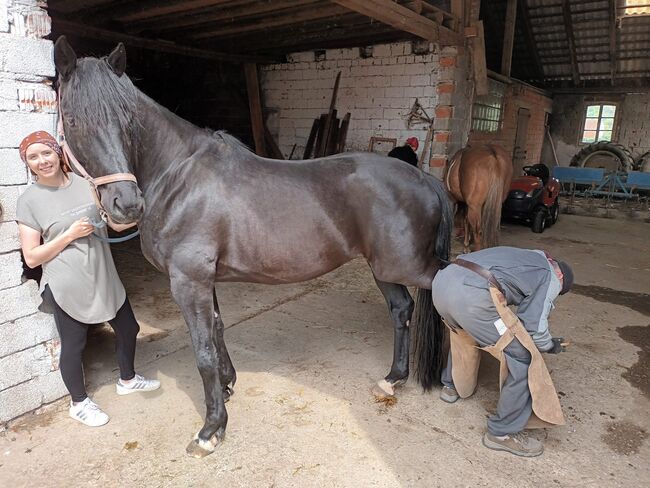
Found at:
<point>383,390</point>
<point>198,448</point>
<point>227,393</point>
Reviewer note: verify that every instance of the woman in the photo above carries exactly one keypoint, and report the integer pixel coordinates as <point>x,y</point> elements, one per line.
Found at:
<point>80,285</point>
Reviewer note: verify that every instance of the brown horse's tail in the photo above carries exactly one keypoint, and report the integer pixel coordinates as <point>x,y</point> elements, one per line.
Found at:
<point>426,327</point>
<point>491,211</point>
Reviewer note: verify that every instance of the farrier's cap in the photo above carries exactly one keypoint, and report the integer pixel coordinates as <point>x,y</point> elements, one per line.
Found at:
<point>567,273</point>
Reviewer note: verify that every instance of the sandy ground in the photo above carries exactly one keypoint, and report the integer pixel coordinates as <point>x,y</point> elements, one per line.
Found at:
<point>307,355</point>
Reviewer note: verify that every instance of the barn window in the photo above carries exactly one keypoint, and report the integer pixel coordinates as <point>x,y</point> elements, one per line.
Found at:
<point>637,7</point>
<point>599,123</point>
<point>487,109</point>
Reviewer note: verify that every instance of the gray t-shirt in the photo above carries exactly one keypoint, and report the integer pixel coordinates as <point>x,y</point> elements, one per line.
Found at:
<point>82,277</point>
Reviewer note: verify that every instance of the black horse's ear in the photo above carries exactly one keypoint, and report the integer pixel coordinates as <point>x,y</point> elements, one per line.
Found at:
<point>65,59</point>
<point>117,60</point>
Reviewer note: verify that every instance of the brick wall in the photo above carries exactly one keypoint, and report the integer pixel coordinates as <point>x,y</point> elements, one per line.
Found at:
<point>378,91</point>
<point>519,95</point>
<point>632,122</point>
<point>28,342</point>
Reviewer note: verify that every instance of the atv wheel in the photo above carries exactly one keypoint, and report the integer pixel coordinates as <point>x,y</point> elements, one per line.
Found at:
<point>554,212</point>
<point>539,220</point>
<point>604,154</point>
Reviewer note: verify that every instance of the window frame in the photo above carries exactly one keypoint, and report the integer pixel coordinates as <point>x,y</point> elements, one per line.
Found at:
<point>625,8</point>
<point>481,101</point>
<point>590,103</point>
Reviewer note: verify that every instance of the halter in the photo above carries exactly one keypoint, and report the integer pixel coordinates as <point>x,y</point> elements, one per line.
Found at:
<point>70,159</point>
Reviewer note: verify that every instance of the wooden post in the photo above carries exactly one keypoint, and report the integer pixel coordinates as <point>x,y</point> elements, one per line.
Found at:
<point>255,105</point>
<point>508,37</point>
<point>568,27</point>
<point>478,61</point>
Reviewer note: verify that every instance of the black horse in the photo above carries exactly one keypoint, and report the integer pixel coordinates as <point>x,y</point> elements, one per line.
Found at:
<point>210,210</point>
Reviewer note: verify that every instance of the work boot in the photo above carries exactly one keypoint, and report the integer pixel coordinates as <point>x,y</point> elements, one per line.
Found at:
<point>448,394</point>
<point>518,444</point>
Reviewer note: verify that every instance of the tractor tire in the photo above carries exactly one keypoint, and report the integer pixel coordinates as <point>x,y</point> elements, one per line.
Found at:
<point>539,220</point>
<point>553,213</point>
<point>614,150</point>
<point>643,163</point>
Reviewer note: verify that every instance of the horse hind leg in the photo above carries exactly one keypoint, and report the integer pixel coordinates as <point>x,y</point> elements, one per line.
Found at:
<point>197,307</point>
<point>227,373</point>
<point>400,305</point>
<point>474,221</point>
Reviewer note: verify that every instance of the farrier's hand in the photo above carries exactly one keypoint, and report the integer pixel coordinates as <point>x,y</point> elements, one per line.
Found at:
<point>80,228</point>
<point>557,346</point>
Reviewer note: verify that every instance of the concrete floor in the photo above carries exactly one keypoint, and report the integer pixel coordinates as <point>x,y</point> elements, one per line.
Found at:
<point>307,355</point>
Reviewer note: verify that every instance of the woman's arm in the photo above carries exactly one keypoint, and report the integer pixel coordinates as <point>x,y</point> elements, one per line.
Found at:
<point>36,253</point>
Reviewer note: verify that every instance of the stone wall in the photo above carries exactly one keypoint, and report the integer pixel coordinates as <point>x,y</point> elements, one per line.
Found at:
<point>29,346</point>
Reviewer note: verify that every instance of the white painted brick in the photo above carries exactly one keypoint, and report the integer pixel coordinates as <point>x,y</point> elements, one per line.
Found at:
<point>397,124</point>
<point>24,365</point>
<point>394,113</point>
<point>400,80</point>
<point>14,126</point>
<point>414,91</point>
<point>306,56</point>
<point>31,395</point>
<point>381,51</point>
<point>14,171</point>
<point>344,63</point>
<point>9,237</point>
<point>415,69</point>
<point>11,269</point>
<point>8,198</point>
<point>395,92</point>
<point>15,50</point>
<point>4,19</point>
<point>18,302</point>
<point>26,332</point>
<point>420,80</point>
<point>397,49</point>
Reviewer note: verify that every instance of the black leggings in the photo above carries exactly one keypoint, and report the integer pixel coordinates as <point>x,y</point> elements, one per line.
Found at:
<point>73,342</point>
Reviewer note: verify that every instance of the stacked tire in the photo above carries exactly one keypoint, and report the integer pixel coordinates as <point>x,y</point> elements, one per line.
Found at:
<point>617,152</point>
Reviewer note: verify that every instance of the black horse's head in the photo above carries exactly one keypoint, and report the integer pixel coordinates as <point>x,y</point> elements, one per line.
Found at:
<point>98,104</point>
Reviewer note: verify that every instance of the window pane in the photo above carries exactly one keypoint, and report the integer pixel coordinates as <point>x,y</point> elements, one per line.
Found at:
<point>591,124</point>
<point>606,124</point>
<point>593,110</point>
<point>609,110</point>
<point>589,136</point>
<point>605,135</point>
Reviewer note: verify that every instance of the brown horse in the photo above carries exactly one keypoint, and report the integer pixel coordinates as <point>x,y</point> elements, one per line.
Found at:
<point>479,178</point>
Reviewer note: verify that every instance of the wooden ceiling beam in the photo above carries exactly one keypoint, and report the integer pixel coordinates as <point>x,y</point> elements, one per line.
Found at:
<point>395,15</point>
<point>508,37</point>
<point>130,11</point>
<point>293,17</point>
<point>530,38</point>
<point>612,41</point>
<point>80,30</point>
<point>568,27</point>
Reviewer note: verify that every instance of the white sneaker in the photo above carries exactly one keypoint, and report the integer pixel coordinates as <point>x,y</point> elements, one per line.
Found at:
<point>139,383</point>
<point>87,412</point>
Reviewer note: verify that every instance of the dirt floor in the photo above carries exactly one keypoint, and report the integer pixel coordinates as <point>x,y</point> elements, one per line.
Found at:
<point>307,355</point>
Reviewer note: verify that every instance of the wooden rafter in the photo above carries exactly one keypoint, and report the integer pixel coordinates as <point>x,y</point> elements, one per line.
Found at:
<point>144,9</point>
<point>395,15</point>
<point>72,28</point>
<point>612,40</point>
<point>530,39</point>
<point>568,27</point>
<point>508,37</point>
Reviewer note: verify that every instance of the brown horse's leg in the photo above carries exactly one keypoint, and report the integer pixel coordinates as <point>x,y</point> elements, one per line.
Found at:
<point>467,236</point>
<point>194,297</point>
<point>474,220</point>
<point>400,306</point>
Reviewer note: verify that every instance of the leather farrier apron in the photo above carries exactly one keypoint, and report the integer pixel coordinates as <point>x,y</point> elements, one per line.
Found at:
<point>466,358</point>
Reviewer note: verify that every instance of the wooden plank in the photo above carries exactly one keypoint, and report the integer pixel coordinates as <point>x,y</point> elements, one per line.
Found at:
<point>458,10</point>
<point>255,105</point>
<point>478,61</point>
<point>343,133</point>
<point>396,16</point>
<point>131,11</point>
<point>530,39</point>
<point>508,37</point>
<point>333,137</point>
<point>318,151</point>
<point>331,115</point>
<point>568,27</point>
<point>309,148</point>
<point>612,40</point>
<point>274,150</point>
<point>305,14</point>
<point>73,28</point>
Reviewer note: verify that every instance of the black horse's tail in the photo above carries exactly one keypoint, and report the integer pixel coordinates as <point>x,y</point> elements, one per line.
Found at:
<point>427,330</point>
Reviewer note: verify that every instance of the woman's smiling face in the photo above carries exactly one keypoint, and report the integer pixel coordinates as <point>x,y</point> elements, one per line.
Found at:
<point>43,161</point>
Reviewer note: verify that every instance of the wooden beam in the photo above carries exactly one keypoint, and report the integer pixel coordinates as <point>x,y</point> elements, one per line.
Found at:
<point>478,61</point>
<point>458,10</point>
<point>305,14</point>
<point>255,106</point>
<point>612,40</point>
<point>396,16</point>
<point>508,37</point>
<point>530,38</point>
<point>568,27</point>
<point>143,9</point>
<point>72,28</point>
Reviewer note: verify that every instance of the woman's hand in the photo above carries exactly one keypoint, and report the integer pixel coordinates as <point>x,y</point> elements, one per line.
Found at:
<point>80,228</point>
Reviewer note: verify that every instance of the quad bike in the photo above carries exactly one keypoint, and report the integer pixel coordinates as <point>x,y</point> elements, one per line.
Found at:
<point>533,198</point>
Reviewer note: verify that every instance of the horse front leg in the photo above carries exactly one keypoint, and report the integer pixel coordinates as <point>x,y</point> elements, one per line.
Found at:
<point>227,373</point>
<point>400,306</point>
<point>194,297</point>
